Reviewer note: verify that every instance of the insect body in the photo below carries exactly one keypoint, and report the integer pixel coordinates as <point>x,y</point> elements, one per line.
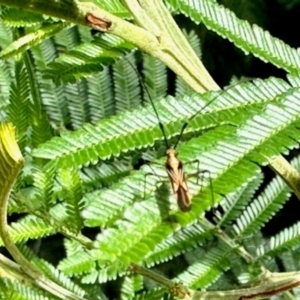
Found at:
<point>176,175</point>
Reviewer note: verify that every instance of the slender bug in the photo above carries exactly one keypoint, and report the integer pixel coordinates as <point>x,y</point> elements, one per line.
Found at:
<point>173,165</point>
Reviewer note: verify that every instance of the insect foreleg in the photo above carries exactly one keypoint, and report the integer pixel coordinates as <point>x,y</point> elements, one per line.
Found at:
<point>198,169</point>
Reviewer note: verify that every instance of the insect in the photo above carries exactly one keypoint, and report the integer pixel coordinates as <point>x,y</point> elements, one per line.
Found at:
<point>173,165</point>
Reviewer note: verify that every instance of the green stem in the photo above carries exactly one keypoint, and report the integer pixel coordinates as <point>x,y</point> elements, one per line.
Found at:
<point>152,275</point>
<point>176,289</point>
<point>178,48</point>
<point>227,240</point>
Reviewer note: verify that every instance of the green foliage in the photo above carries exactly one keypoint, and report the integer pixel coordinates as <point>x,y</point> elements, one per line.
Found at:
<point>83,121</point>
<point>20,291</point>
<point>249,38</point>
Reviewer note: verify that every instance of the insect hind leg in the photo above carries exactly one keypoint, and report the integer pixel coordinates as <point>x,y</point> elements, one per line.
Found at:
<point>162,192</point>
<point>162,178</point>
<point>200,174</point>
<point>198,169</point>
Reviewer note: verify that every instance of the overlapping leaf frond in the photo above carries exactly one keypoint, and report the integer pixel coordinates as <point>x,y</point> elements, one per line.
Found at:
<point>145,130</point>
<point>262,209</point>
<point>32,39</point>
<point>235,203</point>
<point>72,190</point>
<point>207,270</point>
<point>180,242</point>
<point>87,58</point>
<point>235,156</point>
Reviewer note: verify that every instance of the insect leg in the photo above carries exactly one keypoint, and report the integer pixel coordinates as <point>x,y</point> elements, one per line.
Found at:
<point>163,178</point>
<point>198,169</point>
<point>201,173</point>
<point>210,183</point>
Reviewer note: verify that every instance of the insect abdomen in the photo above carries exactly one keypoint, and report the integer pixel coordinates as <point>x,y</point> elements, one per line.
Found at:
<point>183,199</point>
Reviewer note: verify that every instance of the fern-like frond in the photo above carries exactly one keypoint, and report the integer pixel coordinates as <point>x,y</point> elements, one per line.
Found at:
<point>248,38</point>
<point>294,80</point>
<point>127,85</point>
<point>14,205</point>
<point>208,162</point>
<point>155,78</point>
<point>207,269</point>
<point>72,247</point>
<point>6,37</point>
<point>88,181</point>
<point>41,130</point>
<point>145,130</point>
<point>30,227</point>
<point>79,110</point>
<point>72,190</point>
<point>290,259</point>
<point>37,119</point>
<point>234,204</point>
<point>135,236</point>
<point>231,153</point>
<point>52,273</point>
<point>104,174</point>
<point>94,291</point>
<point>54,98</point>
<point>263,208</point>
<point>234,156</point>
<point>76,35</point>
<point>6,76</point>
<point>19,99</point>
<point>43,184</point>
<point>157,293</point>
<point>78,263</point>
<point>287,239</point>
<point>127,289</point>
<point>180,242</point>
<point>100,96</point>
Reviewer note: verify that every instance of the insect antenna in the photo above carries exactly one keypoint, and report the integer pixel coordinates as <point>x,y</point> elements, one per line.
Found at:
<point>191,118</point>
<point>161,126</point>
<point>184,126</point>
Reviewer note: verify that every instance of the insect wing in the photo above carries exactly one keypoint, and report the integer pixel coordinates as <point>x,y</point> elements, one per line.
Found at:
<point>179,187</point>
<point>183,199</point>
